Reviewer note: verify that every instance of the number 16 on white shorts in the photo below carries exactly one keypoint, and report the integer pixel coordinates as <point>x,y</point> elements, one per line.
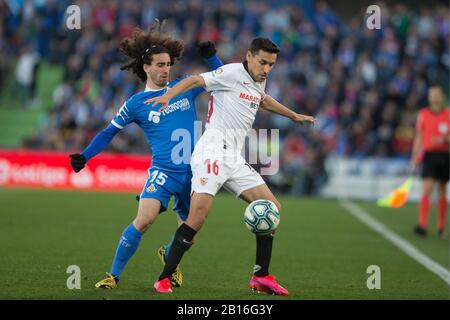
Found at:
<point>212,171</point>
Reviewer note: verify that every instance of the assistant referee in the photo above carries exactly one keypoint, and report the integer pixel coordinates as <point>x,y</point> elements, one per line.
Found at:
<point>431,147</point>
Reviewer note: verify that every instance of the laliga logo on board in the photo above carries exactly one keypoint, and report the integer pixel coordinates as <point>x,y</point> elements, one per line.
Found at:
<point>83,179</point>
<point>5,171</point>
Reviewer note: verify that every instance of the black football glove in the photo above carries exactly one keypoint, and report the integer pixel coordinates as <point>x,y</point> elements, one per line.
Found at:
<point>77,161</point>
<point>206,49</point>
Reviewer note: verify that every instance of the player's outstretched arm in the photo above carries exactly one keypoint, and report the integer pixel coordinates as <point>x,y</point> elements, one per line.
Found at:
<point>272,105</point>
<point>101,140</point>
<point>181,87</point>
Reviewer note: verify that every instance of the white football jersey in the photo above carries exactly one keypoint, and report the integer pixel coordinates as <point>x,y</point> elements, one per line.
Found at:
<point>235,99</point>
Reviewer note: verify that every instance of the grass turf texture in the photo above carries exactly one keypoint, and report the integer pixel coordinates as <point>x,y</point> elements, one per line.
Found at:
<point>320,251</point>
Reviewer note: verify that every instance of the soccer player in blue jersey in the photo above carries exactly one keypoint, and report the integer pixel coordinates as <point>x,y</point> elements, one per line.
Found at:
<point>152,55</point>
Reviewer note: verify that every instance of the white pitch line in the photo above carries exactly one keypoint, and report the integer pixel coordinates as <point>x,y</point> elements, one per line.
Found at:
<point>401,243</point>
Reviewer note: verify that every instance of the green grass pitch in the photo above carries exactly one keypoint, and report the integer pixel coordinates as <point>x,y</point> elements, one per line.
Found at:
<point>320,251</point>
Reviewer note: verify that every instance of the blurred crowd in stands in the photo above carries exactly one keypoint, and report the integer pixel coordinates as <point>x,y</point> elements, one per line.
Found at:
<point>364,86</point>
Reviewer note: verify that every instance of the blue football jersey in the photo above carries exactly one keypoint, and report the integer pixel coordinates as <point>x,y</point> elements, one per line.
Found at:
<point>170,132</point>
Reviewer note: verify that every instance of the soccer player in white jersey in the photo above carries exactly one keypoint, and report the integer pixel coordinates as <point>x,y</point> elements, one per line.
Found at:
<point>237,91</point>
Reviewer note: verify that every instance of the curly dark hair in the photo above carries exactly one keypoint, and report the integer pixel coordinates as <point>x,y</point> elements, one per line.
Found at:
<point>141,47</point>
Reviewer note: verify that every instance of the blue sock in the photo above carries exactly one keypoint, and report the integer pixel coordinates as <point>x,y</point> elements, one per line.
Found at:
<point>127,246</point>
<point>168,247</point>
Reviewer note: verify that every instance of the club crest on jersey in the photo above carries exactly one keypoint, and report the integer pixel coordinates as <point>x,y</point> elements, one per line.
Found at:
<point>217,72</point>
<point>203,181</point>
<point>152,188</point>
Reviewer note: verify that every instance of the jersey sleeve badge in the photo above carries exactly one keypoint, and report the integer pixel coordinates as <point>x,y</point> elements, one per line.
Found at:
<point>217,72</point>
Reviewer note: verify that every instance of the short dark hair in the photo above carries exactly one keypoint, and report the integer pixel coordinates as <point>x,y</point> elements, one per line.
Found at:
<point>435,86</point>
<point>264,44</point>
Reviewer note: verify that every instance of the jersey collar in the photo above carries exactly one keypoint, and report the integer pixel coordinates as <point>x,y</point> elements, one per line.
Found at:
<point>147,89</point>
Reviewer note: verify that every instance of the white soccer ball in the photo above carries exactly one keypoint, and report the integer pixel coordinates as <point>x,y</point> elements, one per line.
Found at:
<point>261,216</point>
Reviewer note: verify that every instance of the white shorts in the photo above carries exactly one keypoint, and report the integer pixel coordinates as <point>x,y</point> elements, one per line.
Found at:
<point>214,165</point>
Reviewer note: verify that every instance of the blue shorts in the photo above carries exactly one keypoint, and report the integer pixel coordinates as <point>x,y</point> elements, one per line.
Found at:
<point>162,184</point>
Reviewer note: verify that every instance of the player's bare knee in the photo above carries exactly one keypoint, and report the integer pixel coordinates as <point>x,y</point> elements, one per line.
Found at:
<point>142,224</point>
<point>140,227</point>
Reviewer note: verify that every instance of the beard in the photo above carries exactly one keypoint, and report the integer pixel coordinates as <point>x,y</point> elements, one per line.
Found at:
<point>158,81</point>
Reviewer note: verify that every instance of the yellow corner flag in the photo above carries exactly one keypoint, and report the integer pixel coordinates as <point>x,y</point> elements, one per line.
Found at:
<point>398,197</point>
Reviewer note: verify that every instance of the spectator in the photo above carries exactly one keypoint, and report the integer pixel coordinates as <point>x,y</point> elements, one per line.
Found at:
<point>26,73</point>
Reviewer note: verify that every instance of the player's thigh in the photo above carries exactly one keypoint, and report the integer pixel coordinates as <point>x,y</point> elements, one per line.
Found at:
<point>200,206</point>
<point>159,186</point>
<point>260,192</point>
<point>209,171</point>
<point>154,198</point>
<point>147,213</point>
<point>246,183</point>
